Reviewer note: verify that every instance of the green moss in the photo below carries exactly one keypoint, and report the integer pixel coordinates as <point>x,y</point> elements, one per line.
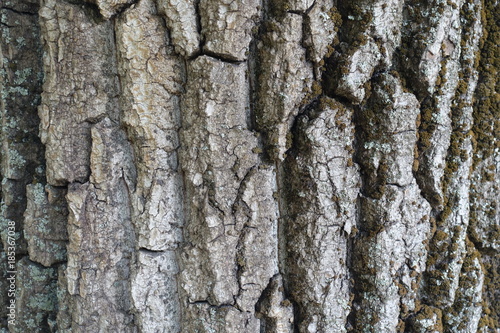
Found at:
<point>330,103</point>
<point>416,162</point>
<point>336,18</point>
<point>289,140</point>
<point>486,109</point>
<point>488,176</point>
<point>279,8</point>
<point>441,80</point>
<point>462,87</point>
<point>257,150</point>
<point>491,303</point>
<point>469,280</point>
<point>311,94</point>
<point>440,236</point>
<point>427,125</point>
<point>402,291</point>
<point>428,313</point>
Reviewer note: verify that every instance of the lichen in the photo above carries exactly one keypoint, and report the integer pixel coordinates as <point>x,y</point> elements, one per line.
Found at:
<point>312,94</point>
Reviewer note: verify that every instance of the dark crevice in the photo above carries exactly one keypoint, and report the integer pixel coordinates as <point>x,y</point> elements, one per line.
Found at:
<point>96,120</point>
<point>199,26</point>
<point>222,57</point>
<point>195,55</point>
<point>283,257</point>
<point>92,9</point>
<point>252,82</point>
<point>479,245</point>
<point>124,8</point>
<point>252,74</point>
<point>286,190</point>
<point>153,252</point>
<point>296,12</point>
<point>310,7</point>
<point>168,38</point>
<point>80,181</point>
<point>19,12</point>
<point>206,302</point>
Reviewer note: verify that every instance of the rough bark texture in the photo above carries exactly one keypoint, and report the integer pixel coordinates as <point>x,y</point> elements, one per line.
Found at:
<point>250,166</point>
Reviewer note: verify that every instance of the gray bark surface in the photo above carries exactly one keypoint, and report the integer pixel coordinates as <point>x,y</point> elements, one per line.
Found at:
<point>250,166</point>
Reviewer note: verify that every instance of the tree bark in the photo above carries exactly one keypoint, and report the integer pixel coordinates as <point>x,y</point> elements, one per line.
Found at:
<point>250,166</point>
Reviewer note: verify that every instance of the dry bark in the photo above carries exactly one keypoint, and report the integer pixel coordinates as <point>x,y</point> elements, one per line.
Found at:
<point>250,166</point>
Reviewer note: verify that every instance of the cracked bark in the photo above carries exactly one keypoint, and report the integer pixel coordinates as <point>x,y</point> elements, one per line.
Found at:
<point>250,166</point>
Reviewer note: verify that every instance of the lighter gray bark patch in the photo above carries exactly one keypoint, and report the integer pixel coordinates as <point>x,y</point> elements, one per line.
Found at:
<point>151,79</point>
<point>80,87</point>
<point>231,221</point>
<point>100,220</point>
<point>226,26</point>
<point>283,79</point>
<point>45,221</point>
<point>36,297</point>
<point>389,253</point>
<point>321,207</point>
<point>372,33</point>
<point>154,292</point>
<point>182,21</point>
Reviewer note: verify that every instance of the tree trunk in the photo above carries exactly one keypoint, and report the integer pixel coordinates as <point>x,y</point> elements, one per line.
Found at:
<point>250,166</point>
